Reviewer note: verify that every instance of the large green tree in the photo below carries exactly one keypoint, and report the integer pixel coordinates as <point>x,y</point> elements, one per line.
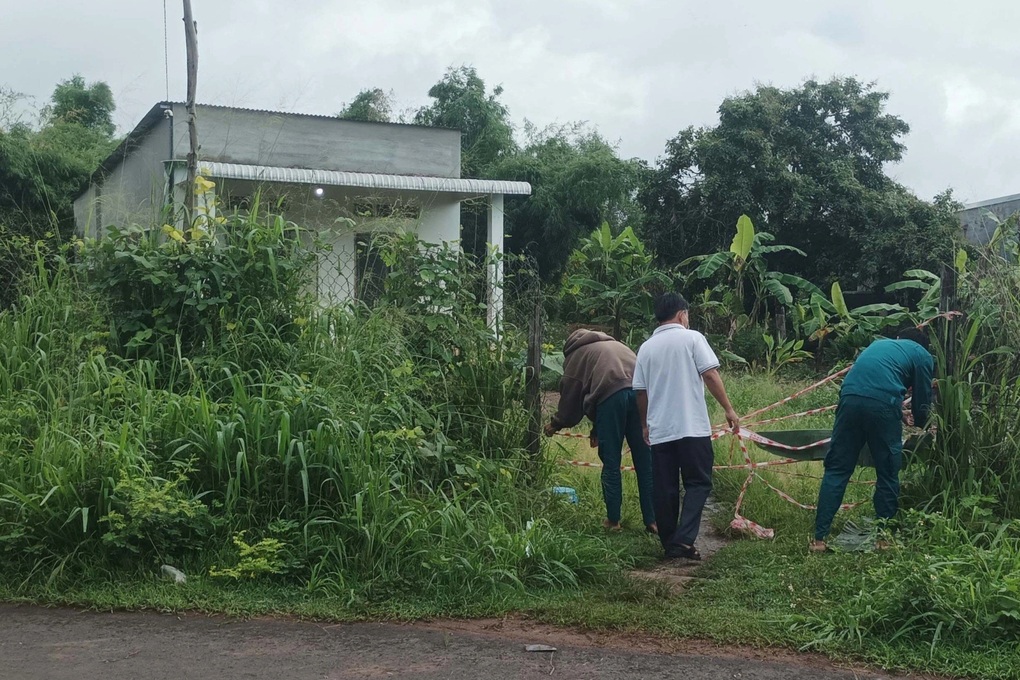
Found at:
<point>460,101</point>
<point>808,165</point>
<point>89,105</point>
<point>373,105</point>
<point>578,182</point>
<point>41,172</point>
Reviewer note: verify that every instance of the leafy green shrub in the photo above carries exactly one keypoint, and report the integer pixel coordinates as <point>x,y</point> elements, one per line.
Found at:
<point>156,518</point>
<point>192,289</point>
<point>268,556</point>
<point>749,344</point>
<point>395,465</point>
<point>779,354</point>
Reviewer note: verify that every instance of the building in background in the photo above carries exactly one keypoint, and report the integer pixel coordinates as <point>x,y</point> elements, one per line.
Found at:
<point>345,179</point>
<point>979,220</point>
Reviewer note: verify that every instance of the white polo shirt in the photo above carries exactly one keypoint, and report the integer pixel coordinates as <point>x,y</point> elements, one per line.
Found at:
<point>669,368</point>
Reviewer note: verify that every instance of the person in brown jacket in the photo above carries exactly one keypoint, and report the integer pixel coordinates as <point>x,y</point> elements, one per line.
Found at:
<point>597,375</point>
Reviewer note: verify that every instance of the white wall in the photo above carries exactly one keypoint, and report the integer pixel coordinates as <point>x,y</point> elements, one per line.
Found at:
<point>334,280</point>
<point>85,213</point>
<point>133,192</point>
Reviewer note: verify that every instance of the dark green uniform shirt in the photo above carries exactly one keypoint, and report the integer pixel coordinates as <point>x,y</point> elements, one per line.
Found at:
<point>884,371</point>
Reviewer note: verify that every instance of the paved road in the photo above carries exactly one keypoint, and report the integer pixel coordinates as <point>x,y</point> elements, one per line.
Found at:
<point>57,644</point>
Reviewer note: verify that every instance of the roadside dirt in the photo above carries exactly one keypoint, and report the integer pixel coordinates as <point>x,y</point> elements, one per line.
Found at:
<point>63,644</point>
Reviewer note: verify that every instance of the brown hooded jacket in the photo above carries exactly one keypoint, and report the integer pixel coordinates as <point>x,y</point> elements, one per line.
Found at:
<point>595,366</point>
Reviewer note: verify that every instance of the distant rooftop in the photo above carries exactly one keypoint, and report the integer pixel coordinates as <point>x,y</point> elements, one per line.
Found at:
<point>992,201</point>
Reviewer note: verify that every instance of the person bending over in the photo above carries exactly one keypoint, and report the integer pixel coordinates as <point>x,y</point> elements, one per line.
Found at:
<point>597,375</point>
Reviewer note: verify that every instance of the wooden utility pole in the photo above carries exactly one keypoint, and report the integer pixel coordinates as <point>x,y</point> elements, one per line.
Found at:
<point>780,319</point>
<point>533,388</point>
<point>191,41</point>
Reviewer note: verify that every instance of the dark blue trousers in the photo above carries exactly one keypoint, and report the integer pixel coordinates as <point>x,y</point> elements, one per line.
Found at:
<point>860,421</point>
<point>616,419</point>
<point>689,459</point>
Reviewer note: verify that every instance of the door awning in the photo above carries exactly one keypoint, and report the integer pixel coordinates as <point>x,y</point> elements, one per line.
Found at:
<point>362,180</point>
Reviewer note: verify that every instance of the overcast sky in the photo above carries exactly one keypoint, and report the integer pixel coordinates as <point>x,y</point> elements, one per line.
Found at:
<point>639,70</point>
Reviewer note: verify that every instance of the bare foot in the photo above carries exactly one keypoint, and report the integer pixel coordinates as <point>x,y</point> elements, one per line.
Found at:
<point>817,546</point>
<point>612,526</point>
<point>652,528</point>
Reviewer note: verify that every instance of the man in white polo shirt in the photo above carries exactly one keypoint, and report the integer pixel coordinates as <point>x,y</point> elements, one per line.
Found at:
<point>673,368</point>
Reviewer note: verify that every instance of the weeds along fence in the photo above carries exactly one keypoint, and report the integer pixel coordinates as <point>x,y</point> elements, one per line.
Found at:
<point>168,401</point>
<point>976,456</point>
<point>442,284</point>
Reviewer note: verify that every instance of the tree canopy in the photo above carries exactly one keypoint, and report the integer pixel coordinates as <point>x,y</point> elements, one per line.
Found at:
<point>372,105</point>
<point>808,164</point>
<point>90,106</point>
<point>42,170</point>
<point>460,101</point>
<point>578,182</point>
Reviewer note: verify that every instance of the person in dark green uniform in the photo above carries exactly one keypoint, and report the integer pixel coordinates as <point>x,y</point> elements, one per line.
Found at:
<point>870,411</point>
<point>597,375</point>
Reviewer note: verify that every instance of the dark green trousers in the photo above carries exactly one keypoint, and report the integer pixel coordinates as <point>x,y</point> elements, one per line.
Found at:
<point>616,419</point>
<point>860,421</point>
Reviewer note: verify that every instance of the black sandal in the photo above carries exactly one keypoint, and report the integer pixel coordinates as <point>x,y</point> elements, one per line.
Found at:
<point>687,552</point>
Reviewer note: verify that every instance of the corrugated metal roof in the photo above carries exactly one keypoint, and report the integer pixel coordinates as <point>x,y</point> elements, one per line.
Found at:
<point>992,201</point>
<point>365,180</point>
<point>321,116</point>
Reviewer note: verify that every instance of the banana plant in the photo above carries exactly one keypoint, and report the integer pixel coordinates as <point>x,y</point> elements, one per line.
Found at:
<point>823,317</point>
<point>612,279</point>
<point>745,269</point>
<point>1007,235</point>
<point>928,283</point>
<point>780,353</point>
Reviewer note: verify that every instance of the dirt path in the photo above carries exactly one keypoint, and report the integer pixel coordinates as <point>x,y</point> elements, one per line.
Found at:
<point>677,574</point>
<point>59,644</point>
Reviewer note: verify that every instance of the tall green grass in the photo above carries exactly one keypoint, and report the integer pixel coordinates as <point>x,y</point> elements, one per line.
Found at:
<point>975,456</point>
<point>355,458</point>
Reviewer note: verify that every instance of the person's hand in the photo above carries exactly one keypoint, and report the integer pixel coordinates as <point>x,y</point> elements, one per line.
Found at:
<point>733,419</point>
<point>908,418</point>
<point>549,430</point>
<point>644,431</point>
<point>593,441</point>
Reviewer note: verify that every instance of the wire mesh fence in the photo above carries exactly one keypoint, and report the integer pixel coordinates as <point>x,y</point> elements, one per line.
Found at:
<point>373,269</point>
<point>454,291</point>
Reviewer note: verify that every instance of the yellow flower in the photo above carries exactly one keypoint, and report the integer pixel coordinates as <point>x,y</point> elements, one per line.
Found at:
<point>203,186</point>
<point>173,232</point>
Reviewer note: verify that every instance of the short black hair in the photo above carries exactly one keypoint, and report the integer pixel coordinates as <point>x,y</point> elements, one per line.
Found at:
<point>917,335</point>
<point>669,305</point>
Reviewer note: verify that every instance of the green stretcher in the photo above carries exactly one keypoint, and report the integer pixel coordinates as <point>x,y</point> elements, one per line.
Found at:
<point>911,447</point>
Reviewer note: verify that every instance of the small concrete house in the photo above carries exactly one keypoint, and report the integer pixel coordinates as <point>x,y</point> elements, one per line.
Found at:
<point>979,220</point>
<point>375,175</point>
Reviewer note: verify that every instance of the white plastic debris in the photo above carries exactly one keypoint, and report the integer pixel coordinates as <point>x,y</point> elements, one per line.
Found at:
<point>174,573</point>
<point>539,648</point>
